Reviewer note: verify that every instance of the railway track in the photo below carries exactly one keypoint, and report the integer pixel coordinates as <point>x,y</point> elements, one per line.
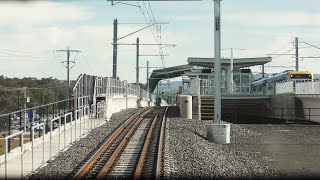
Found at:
<point>133,151</point>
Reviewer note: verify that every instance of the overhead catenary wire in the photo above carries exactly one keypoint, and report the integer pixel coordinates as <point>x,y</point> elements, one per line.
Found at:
<point>149,14</point>
<point>315,46</point>
<point>143,13</point>
<point>88,65</point>
<point>10,55</point>
<point>286,65</point>
<point>158,40</point>
<point>24,52</point>
<point>304,47</point>
<point>4,88</point>
<point>152,13</point>
<point>281,48</point>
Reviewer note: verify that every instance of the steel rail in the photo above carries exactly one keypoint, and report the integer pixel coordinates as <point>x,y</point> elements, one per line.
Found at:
<point>143,154</point>
<point>116,153</point>
<point>160,148</point>
<point>106,145</point>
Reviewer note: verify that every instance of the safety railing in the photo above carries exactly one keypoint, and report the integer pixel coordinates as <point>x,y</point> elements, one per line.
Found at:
<point>206,90</point>
<point>26,118</point>
<point>144,94</point>
<point>108,87</point>
<point>284,87</point>
<point>99,86</point>
<point>84,87</point>
<point>299,87</point>
<point>117,87</point>
<point>71,125</point>
<point>207,87</point>
<point>21,154</point>
<point>308,87</point>
<point>133,90</point>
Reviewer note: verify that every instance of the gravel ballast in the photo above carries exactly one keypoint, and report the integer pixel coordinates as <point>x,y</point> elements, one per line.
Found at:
<point>65,162</point>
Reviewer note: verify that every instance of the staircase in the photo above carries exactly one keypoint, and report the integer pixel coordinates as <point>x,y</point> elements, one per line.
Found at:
<point>195,114</point>
<point>207,108</point>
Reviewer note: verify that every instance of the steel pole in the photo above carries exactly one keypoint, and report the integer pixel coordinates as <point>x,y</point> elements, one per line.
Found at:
<point>297,53</point>
<point>217,62</point>
<point>137,64</point>
<point>231,72</point>
<point>148,89</point>
<point>68,80</point>
<point>25,107</point>
<point>115,48</point>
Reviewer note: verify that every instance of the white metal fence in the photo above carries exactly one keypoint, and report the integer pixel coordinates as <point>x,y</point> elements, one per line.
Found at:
<point>284,87</point>
<point>311,87</point>
<point>298,87</point>
<point>112,87</point>
<point>206,87</point>
<point>308,87</point>
<point>67,129</point>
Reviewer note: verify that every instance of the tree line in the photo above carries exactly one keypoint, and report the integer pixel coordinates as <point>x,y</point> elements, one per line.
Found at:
<point>40,91</point>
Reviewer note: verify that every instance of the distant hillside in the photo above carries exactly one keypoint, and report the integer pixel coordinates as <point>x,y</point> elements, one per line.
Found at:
<point>316,76</point>
<point>259,75</point>
<point>174,86</point>
<point>40,91</point>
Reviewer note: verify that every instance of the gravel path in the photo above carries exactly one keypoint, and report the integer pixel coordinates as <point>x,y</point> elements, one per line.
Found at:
<point>292,149</point>
<point>65,162</point>
<point>193,157</point>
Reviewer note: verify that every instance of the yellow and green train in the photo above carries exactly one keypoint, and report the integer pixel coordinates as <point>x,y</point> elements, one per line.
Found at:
<point>267,84</point>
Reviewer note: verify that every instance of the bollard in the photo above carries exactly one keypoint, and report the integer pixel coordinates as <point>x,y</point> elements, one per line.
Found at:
<point>218,133</point>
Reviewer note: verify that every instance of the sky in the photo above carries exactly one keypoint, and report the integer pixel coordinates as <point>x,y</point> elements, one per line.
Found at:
<point>32,31</point>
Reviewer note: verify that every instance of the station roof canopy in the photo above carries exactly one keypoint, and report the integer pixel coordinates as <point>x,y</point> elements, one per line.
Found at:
<point>237,62</point>
<point>176,71</point>
<point>167,73</point>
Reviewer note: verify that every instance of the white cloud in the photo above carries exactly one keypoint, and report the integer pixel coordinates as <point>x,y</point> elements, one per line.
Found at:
<point>93,40</point>
<point>41,25</point>
<point>275,19</point>
<point>40,12</point>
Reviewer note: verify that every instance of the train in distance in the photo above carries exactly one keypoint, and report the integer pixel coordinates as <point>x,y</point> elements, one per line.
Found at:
<point>267,84</point>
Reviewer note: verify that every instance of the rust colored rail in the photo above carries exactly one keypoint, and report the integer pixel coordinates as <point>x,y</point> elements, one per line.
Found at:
<point>118,150</point>
<point>138,171</point>
<point>161,142</point>
<point>106,145</point>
